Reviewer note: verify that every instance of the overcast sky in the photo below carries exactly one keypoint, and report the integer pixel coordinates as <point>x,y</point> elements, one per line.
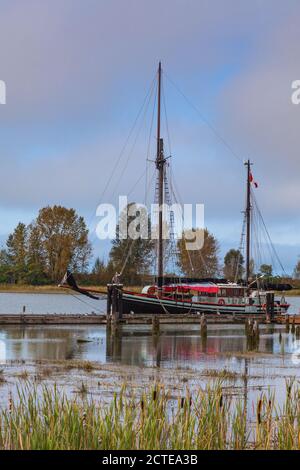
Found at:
<point>77,72</point>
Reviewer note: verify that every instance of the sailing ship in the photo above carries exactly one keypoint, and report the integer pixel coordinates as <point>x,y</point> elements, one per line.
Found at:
<point>194,296</point>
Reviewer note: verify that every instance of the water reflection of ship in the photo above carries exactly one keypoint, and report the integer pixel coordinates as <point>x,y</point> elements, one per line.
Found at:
<point>143,348</point>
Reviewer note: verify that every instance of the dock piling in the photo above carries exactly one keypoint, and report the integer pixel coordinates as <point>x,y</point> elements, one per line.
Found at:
<point>203,326</point>
<point>287,323</point>
<point>155,325</point>
<point>293,327</point>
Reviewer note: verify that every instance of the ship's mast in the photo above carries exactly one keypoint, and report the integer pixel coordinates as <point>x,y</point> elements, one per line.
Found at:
<point>248,221</point>
<point>160,165</point>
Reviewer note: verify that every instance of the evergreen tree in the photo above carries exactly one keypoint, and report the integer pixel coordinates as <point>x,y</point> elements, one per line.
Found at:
<point>17,252</point>
<point>5,274</point>
<point>132,257</point>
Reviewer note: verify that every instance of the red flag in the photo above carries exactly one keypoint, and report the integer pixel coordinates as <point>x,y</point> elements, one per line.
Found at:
<point>252,181</point>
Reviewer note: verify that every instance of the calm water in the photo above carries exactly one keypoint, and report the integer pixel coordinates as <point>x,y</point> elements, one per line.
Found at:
<point>59,303</point>
<point>49,303</point>
<point>178,346</point>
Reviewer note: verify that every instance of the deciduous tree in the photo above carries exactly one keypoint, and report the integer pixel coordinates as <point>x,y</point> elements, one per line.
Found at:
<point>233,265</point>
<point>199,263</point>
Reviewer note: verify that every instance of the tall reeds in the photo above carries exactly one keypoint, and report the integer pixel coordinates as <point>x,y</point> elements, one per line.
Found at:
<point>42,417</point>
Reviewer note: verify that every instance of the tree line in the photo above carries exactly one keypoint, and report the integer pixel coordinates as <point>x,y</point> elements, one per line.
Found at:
<point>58,239</point>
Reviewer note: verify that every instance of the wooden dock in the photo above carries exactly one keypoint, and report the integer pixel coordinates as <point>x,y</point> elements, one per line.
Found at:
<point>140,319</point>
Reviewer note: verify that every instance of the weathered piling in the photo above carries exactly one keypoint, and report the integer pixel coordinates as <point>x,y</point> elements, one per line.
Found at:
<point>155,325</point>
<point>156,339</point>
<point>256,330</point>
<point>298,332</point>
<point>293,327</point>
<point>109,300</point>
<point>115,301</point>
<point>114,309</point>
<point>252,333</point>
<point>114,326</point>
<point>120,301</point>
<point>287,323</point>
<point>203,326</point>
<point>248,326</point>
<point>269,306</point>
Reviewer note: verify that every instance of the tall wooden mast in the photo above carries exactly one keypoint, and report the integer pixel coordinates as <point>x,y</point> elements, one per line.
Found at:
<point>160,165</point>
<point>248,221</point>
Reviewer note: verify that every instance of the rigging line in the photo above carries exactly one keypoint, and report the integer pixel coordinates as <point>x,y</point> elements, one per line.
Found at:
<point>166,117</point>
<point>126,143</point>
<point>149,145</point>
<point>134,143</point>
<point>128,158</point>
<point>127,256</point>
<point>240,249</point>
<point>268,235</point>
<point>130,242</point>
<point>124,258</point>
<point>203,118</point>
<point>93,237</point>
<point>180,202</point>
<point>84,302</point>
<point>137,182</point>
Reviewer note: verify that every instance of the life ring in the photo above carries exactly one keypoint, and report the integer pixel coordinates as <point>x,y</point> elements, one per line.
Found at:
<point>221,302</point>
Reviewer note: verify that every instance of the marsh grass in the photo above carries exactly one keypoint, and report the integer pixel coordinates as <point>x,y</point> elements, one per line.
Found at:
<point>2,378</point>
<point>23,375</point>
<point>42,417</point>
<point>221,374</point>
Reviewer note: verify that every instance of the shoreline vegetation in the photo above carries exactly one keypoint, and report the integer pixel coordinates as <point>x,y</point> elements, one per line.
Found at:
<point>27,289</point>
<point>39,254</point>
<point>52,289</point>
<point>43,417</point>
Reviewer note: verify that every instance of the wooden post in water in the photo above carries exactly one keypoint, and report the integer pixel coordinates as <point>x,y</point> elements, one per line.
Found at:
<point>203,326</point>
<point>120,300</point>
<point>269,306</point>
<point>293,329</point>
<point>109,300</point>
<point>256,333</point>
<point>114,305</point>
<point>155,325</point>
<point>287,323</point>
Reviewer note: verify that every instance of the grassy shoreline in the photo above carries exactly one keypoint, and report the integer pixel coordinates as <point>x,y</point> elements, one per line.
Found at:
<point>27,289</point>
<point>42,416</point>
<point>24,289</point>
